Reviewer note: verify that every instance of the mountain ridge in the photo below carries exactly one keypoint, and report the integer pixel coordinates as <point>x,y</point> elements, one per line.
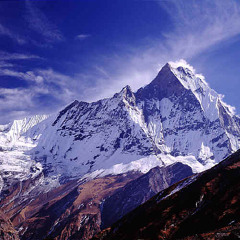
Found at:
<point>63,174</point>
<point>169,120</point>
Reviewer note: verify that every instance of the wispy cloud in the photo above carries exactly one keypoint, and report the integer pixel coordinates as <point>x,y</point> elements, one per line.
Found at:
<point>6,32</point>
<point>7,67</point>
<point>15,103</point>
<point>4,64</point>
<point>38,22</point>
<point>16,56</point>
<point>44,84</point>
<point>28,76</point>
<point>18,103</point>
<point>82,36</point>
<point>197,26</point>
<point>200,24</point>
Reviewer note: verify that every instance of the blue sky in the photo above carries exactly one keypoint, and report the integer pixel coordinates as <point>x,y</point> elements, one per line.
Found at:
<point>53,52</point>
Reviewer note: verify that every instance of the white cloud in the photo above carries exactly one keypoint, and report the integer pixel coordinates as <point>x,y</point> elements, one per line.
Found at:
<point>20,102</point>
<point>82,36</point>
<point>4,64</point>
<point>15,99</point>
<point>7,68</point>
<point>200,24</point>
<point>27,76</point>
<point>43,84</point>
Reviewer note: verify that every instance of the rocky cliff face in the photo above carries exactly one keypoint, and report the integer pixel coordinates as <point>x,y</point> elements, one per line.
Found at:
<point>204,206</point>
<point>140,190</point>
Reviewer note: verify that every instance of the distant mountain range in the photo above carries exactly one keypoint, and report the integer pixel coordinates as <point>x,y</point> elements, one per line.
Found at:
<point>127,148</point>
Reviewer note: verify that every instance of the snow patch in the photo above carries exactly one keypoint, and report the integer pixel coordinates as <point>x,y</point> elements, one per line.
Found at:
<point>205,153</point>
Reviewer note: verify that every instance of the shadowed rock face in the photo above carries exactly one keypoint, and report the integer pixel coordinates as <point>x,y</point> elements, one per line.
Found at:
<point>204,206</point>
<point>140,190</point>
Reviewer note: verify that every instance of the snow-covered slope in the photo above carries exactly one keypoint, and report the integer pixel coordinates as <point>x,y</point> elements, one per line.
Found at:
<point>16,139</point>
<point>175,118</point>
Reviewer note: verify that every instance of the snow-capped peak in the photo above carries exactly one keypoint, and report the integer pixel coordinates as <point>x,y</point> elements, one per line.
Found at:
<point>19,127</point>
<point>194,80</point>
<point>177,117</point>
<point>197,84</point>
<point>181,63</point>
<point>206,96</point>
<point>125,92</point>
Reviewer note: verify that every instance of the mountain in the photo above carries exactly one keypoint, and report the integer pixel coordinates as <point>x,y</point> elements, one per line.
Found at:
<point>16,138</point>
<point>61,176</point>
<point>175,118</point>
<point>80,209</point>
<point>203,206</point>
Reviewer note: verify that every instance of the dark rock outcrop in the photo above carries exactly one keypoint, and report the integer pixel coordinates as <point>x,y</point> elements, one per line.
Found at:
<point>140,190</point>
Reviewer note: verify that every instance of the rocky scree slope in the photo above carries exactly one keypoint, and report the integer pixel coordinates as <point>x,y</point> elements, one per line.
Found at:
<point>7,231</point>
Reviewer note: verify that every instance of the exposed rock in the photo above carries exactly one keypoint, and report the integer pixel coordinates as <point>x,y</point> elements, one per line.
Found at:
<point>70,211</point>
<point>140,190</point>
<point>7,231</point>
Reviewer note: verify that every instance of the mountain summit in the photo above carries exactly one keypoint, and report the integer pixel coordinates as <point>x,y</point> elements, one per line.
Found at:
<point>175,118</point>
